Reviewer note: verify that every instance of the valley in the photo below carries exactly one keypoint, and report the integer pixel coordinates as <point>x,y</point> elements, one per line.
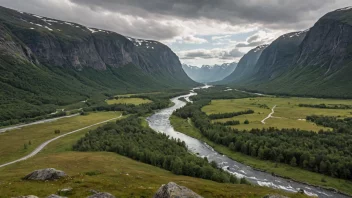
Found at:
<point>121,99</point>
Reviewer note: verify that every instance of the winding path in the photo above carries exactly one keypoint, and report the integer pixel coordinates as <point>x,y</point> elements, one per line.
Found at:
<point>2,130</point>
<point>43,145</point>
<point>270,114</point>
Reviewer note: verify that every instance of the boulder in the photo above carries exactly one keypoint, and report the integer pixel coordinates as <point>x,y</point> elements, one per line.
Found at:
<point>102,195</point>
<point>28,196</point>
<point>55,196</point>
<point>45,174</point>
<point>274,196</point>
<point>172,190</point>
<point>65,192</point>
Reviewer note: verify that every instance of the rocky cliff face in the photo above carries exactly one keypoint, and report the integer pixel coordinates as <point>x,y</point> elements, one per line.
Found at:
<point>328,44</point>
<point>208,73</point>
<point>316,62</point>
<point>278,56</point>
<point>58,43</point>
<point>246,66</point>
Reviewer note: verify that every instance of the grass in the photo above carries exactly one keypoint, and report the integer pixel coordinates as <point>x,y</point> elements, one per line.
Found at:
<point>287,112</point>
<point>186,127</point>
<point>12,142</point>
<point>135,101</point>
<point>108,172</point>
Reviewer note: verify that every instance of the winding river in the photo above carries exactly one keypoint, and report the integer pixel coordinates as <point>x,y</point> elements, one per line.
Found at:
<point>160,122</point>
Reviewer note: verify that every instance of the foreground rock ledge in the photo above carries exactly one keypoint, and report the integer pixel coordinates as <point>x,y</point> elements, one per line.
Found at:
<point>172,190</point>
<point>45,174</point>
<point>102,195</point>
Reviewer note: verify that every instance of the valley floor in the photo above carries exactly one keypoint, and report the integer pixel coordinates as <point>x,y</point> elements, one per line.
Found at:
<point>101,171</point>
<point>282,170</point>
<point>288,113</point>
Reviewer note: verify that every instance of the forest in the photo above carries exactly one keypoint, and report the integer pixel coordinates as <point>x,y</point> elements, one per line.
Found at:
<point>129,138</point>
<point>325,152</point>
<point>229,115</point>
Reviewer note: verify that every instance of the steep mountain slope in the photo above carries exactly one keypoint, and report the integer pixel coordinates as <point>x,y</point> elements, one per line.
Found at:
<point>246,66</point>
<point>320,65</point>
<point>208,73</point>
<point>47,63</point>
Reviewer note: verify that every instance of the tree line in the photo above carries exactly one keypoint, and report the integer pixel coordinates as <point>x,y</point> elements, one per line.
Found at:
<point>229,115</point>
<point>329,153</point>
<point>329,106</point>
<point>129,138</point>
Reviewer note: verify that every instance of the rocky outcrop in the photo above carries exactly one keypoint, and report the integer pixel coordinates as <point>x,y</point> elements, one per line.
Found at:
<point>55,196</point>
<point>172,190</point>
<point>45,174</point>
<point>274,196</point>
<point>102,195</point>
<point>27,196</point>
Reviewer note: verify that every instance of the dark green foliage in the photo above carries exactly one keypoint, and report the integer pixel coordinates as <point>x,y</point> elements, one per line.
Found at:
<point>127,137</point>
<point>246,122</point>
<point>329,153</point>
<point>229,115</point>
<point>229,123</point>
<point>328,106</point>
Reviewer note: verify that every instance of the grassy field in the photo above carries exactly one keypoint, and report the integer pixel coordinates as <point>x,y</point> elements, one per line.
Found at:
<point>12,142</point>
<point>186,127</point>
<point>108,172</point>
<point>135,101</point>
<point>129,95</point>
<point>287,112</point>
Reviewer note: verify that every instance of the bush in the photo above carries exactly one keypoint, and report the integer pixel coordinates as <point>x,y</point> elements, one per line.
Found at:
<point>246,122</point>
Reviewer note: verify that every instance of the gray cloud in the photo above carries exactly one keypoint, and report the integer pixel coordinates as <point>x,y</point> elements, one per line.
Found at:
<point>252,44</point>
<point>211,54</point>
<point>286,13</point>
<point>151,18</point>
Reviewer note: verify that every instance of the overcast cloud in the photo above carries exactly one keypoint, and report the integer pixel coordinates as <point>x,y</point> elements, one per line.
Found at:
<point>190,28</point>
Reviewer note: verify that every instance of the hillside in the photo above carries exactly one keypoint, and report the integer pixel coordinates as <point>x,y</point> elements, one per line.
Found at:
<point>313,63</point>
<point>208,73</point>
<point>47,64</point>
<point>246,66</point>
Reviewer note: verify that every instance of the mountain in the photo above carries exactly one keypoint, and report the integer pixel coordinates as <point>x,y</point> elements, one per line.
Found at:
<point>47,63</point>
<point>246,66</point>
<point>316,62</point>
<point>208,73</point>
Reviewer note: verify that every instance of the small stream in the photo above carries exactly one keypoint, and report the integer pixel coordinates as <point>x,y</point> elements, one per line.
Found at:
<point>160,122</point>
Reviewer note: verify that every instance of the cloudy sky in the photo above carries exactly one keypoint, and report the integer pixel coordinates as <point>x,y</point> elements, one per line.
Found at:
<point>199,31</point>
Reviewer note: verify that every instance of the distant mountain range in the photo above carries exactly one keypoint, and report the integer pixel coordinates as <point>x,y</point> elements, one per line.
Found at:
<point>316,62</point>
<point>207,73</point>
<point>46,63</point>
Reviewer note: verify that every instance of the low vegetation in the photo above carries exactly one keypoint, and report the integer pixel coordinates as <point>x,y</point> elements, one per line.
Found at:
<point>287,111</point>
<point>12,142</point>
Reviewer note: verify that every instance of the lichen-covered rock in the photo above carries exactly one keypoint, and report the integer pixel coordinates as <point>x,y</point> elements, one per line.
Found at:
<point>102,195</point>
<point>55,196</point>
<point>274,196</point>
<point>45,174</point>
<point>172,190</point>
